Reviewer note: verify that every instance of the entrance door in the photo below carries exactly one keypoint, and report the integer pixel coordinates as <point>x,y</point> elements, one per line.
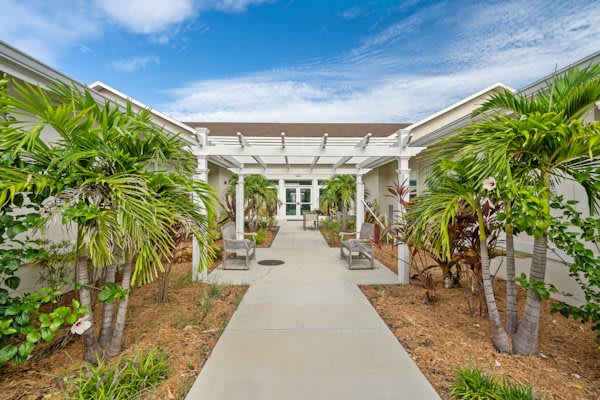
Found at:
<point>297,201</point>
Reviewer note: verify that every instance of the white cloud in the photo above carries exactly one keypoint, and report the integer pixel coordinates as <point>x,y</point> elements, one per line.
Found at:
<point>44,30</point>
<point>377,83</point>
<point>147,16</point>
<point>135,63</point>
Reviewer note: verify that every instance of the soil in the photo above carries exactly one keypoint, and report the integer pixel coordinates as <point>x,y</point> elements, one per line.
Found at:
<point>182,328</point>
<point>443,335</point>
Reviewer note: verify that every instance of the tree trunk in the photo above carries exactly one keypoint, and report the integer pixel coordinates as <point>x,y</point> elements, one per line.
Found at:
<point>107,309</point>
<point>344,217</point>
<point>91,349</point>
<point>163,284</point>
<point>525,342</point>
<point>117,338</point>
<point>499,336</point>
<point>511,290</point>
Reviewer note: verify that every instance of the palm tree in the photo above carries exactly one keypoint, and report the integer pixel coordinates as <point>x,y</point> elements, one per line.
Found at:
<point>451,192</point>
<point>258,193</point>
<point>103,173</point>
<point>529,144</point>
<point>339,192</point>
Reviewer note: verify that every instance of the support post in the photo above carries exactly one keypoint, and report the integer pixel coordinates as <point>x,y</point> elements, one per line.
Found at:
<point>239,207</point>
<point>281,196</point>
<point>404,261</point>
<point>201,175</point>
<point>360,207</point>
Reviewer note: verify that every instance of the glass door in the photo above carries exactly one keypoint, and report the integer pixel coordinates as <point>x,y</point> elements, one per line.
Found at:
<point>291,206</point>
<point>297,202</point>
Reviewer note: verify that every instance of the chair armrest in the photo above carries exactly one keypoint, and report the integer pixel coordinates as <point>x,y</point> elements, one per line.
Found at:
<point>248,233</point>
<point>342,234</point>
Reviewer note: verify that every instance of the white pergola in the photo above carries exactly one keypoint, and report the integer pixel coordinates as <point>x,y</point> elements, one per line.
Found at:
<point>308,158</point>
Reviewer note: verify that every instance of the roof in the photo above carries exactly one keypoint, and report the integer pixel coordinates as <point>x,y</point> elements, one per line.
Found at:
<point>264,129</point>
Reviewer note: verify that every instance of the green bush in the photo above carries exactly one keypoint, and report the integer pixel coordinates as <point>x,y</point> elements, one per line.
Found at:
<point>472,383</point>
<point>332,224</point>
<point>261,235</point>
<point>120,379</point>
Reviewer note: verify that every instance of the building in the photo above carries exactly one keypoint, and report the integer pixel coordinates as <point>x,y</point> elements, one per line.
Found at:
<point>298,157</point>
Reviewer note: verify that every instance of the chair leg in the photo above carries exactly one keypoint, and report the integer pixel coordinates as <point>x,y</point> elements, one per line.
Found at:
<point>372,260</point>
<point>349,259</point>
<point>247,257</point>
<point>224,259</point>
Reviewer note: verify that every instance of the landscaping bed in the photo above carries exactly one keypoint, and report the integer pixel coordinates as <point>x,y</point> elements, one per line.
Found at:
<point>442,336</point>
<point>186,329</point>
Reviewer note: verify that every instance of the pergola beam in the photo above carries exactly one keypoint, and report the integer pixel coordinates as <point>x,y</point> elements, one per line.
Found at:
<point>363,144</point>
<point>244,143</point>
<point>310,151</point>
<point>314,162</point>
<point>324,142</point>
<point>283,140</point>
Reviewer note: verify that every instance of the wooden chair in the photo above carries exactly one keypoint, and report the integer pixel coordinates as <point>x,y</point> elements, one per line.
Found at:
<point>363,247</point>
<point>310,218</point>
<point>231,244</point>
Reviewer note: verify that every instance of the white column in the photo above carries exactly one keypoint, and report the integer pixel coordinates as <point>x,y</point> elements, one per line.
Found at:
<point>360,207</point>
<point>281,196</point>
<point>403,172</point>
<point>315,195</point>
<point>201,175</point>
<point>239,207</point>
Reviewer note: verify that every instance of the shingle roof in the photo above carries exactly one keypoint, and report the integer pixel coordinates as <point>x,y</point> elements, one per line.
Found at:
<point>298,129</point>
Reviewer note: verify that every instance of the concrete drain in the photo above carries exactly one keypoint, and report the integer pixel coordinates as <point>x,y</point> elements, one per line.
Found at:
<point>271,262</point>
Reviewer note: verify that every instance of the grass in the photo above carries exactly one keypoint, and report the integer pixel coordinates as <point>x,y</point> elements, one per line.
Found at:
<point>181,281</point>
<point>120,379</point>
<point>472,383</point>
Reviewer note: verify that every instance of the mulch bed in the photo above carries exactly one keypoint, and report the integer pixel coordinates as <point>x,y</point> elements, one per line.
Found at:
<point>443,335</point>
<point>179,327</point>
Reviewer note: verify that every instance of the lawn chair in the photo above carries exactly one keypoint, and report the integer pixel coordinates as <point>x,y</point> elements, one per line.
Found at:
<point>363,247</point>
<point>231,244</point>
<point>310,219</point>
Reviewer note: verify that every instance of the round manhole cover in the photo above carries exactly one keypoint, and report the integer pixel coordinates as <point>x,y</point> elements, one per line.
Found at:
<point>271,262</point>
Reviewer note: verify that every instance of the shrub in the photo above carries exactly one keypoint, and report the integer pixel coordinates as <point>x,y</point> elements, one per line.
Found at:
<point>120,379</point>
<point>472,383</point>
<point>261,236</point>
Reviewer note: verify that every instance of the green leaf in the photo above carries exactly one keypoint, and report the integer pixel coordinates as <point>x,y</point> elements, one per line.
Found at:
<point>7,353</point>
<point>12,282</point>
<point>33,337</point>
<point>26,348</point>
<point>14,230</point>
<point>47,334</point>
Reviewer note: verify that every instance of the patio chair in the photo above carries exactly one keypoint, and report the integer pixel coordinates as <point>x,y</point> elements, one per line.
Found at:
<point>231,244</point>
<point>310,218</point>
<point>363,247</point>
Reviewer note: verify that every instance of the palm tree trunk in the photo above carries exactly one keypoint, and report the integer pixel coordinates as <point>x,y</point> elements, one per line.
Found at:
<point>525,342</point>
<point>91,349</point>
<point>344,216</point>
<point>117,337</point>
<point>499,336</point>
<point>107,309</point>
<point>511,289</point>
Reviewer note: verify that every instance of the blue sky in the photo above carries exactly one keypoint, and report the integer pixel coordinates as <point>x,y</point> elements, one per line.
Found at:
<point>302,60</point>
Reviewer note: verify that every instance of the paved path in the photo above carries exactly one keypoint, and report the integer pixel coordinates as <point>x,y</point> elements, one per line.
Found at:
<point>304,330</point>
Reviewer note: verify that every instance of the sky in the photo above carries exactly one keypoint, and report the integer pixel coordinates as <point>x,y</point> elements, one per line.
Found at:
<point>302,60</point>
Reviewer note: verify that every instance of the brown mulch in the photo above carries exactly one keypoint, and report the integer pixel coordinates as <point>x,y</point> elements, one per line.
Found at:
<point>180,328</point>
<point>442,336</point>
<point>270,236</point>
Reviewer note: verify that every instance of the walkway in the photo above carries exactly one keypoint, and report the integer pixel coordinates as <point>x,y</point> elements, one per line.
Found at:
<point>304,330</point>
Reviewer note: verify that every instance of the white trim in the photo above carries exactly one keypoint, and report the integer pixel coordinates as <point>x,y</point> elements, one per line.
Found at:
<point>497,85</point>
<point>99,84</point>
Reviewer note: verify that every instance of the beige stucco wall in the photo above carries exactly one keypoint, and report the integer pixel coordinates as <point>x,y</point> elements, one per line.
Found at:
<point>218,177</point>
<point>451,115</point>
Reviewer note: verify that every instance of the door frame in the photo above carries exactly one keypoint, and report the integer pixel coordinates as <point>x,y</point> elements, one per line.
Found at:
<point>298,204</point>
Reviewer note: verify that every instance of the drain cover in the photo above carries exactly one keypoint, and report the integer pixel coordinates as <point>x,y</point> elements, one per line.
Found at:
<point>271,262</point>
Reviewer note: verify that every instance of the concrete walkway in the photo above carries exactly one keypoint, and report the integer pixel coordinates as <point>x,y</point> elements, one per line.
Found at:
<point>304,330</point>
